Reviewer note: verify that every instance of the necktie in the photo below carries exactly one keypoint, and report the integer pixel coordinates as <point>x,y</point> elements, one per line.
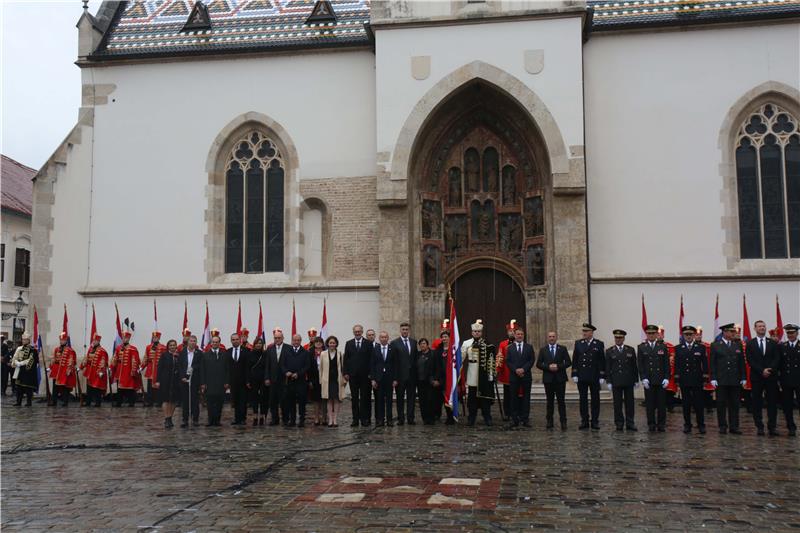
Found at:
<point>553,351</point>
<point>358,345</point>
<point>652,345</point>
<point>383,350</point>
<point>761,345</point>
<point>519,347</point>
<point>405,341</point>
<point>295,349</point>
<point>236,357</point>
<point>619,348</point>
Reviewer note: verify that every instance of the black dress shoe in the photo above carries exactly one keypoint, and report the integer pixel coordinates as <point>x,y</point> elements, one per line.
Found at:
<point>773,432</point>
<point>274,423</point>
<point>412,423</point>
<point>379,423</point>
<point>184,424</point>
<point>301,424</point>
<point>723,431</point>
<point>702,430</point>
<point>209,425</point>
<point>195,423</point>
<point>563,426</point>
<point>471,422</point>
<point>389,424</point>
<point>400,422</point>
<point>792,432</point>
<point>661,429</point>
<point>526,424</point>
<point>736,431</point>
<point>631,428</point>
<point>760,432</point>
<point>687,429</point>
<point>549,424</point>
<point>595,425</point>
<point>584,425</point>
<point>651,429</point>
<point>619,428</point>
<point>353,424</point>
<point>487,421</point>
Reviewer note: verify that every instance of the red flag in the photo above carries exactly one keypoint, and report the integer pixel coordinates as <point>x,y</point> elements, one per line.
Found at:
<point>746,335</point>
<point>94,326</point>
<point>239,320</point>
<point>205,340</point>
<point>65,326</point>
<point>644,319</point>
<point>155,316</point>
<point>118,339</point>
<point>323,331</point>
<point>778,321</point>
<point>294,320</point>
<point>717,333</point>
<point>185,318</point>
<point>680,320</point>
<point>260,330</point>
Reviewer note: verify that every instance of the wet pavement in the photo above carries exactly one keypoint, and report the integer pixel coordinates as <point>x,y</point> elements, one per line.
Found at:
<point>104,469</point>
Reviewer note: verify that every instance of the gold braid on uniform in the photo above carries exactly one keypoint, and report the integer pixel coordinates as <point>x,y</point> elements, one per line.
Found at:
<point>23,353</point>
<point>486,360</point>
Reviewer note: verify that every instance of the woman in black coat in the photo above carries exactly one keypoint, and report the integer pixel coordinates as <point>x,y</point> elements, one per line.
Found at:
<point>429,374</point>
<point>168,381</point>
<point>257,390</point>
<point>314,386</point>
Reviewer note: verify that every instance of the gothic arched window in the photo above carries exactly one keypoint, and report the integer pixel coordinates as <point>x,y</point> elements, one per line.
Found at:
<point>254,206</point>
<point>768,184</point>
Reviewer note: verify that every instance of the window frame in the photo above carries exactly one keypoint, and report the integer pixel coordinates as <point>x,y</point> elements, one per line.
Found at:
<point>26,265</point>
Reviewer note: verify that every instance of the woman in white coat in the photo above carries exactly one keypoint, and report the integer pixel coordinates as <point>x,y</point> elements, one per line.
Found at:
<point>332,383</point>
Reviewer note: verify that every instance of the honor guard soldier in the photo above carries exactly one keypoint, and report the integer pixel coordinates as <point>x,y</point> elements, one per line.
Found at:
<point>95,370</point>
<point>25,365</point>
<point>244,336</point>
<point>185,342</point>
<point>126,370</point>
<point>152,353</point>
<point>622,375</point>
<point>671,388</point>
<point>478,374</point>
<point>728,377</point>
<point>589,372</point>
<point>691,373</point>
<point>503,374</point>
<point>66,360</point>
<point>312,334</point>
<point>654,367</point>
<point>790,375</point>
<point>764,357</point>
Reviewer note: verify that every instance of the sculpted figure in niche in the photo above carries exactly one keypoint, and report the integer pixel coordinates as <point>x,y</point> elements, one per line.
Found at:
<point>430,266</point>
<point>454,187</point>
<point>472,166</point>
<point>509,185</point>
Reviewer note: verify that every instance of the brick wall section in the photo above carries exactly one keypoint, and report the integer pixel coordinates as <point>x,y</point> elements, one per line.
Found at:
<point>353,218</point>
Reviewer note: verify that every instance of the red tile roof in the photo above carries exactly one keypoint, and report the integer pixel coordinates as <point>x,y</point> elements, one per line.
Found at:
<point>16,186</point>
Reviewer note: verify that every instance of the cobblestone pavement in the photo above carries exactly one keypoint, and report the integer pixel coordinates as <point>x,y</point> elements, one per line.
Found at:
<point>110,469</point>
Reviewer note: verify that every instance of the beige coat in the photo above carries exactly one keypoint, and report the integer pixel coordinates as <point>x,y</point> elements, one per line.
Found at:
<point>324,366</point>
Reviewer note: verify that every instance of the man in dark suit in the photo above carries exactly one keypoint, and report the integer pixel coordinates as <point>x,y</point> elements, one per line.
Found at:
<point>764,357</point>
<point>190,368</point>
<point>273,377</point>
<point>236,357</point>
<point>216,380</point>
<point>382,377</point>
<point>294,366</point>
<point>405,349</point>
<point>653,359</point>
<point>553,361</point>
<point>589,371</point>
<point>520,359</point>
<point>691,373</point>
<point>728,377</point>
<point>790,375</point>
<point>623,377</point>
<point>356,367</point>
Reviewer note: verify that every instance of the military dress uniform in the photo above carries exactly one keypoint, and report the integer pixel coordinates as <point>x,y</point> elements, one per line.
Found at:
<point>654,368</point>
<point>152,353</point>
<point>691,372</point>
<point>790,378</point>
<point>126,365</point>
<point>66,360</point>
<point>727,375</point>
<point>588,371</point>
<point>622,374</point>
<point>95,370</point>
<point>477,377</point>
<point>25,365</point>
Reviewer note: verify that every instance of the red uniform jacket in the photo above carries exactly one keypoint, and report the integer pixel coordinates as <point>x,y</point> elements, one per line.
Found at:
<point>208,348</point>
<point>151,357</point>
<point>671,386</point>
<point>708,386</point>
<point>126,367</point>
<point>747,385</point>
<point>66,360</point>
<point>95,366</point>
<point>503,373</point>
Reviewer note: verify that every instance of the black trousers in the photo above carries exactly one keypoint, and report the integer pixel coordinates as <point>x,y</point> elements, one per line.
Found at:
<point>151,397</point>
<point>6,372</point>
<point>520,407</point>
<point>26,392</point>
<point>295,394</point>
<point>406,394</point>
<point>760,386</point>
<point>655,400</point>
<point>473,402</point>
<point>258,395</point>
<point>360,399</point>
<point>507,397</point>
<point>623,395</point>
<point>94,396</point>
<point>383,401</point>
<point>437,401</point>
<point>693,398</point>
<point>556,391</point>
<point>239,402</point>
<point>190,401</point>
<point>214,405</point>
<point>127,395</point>
<point>789,393</point>
<point>276,393</point>
<point>584,389</point>
<point>728,406</point>
<point>426,401</point>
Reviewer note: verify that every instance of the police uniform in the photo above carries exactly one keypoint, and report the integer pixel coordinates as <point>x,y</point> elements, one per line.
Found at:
<point>622,374</point>
<point>727,375</point>
<point>588,370</point>
<point>653,358</point>
<point>790,377</point>
<point>691,372</point>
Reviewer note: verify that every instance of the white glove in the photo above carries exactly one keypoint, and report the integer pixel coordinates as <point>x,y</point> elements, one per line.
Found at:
<point>664,383</point>
<point>646,383</point>
<point>602,381</point>
<point>609,386</point>
<point>743,382</point>
<point>714,383</point>
<point>575,379</point>
<point>19,364</point>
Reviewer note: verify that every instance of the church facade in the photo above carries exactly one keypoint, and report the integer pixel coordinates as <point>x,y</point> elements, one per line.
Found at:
<point>547,161</point>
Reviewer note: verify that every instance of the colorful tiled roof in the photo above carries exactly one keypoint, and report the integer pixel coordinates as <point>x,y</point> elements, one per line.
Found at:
<point>155,27</point>
<point>621,14</point>
<point>16,182</point>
